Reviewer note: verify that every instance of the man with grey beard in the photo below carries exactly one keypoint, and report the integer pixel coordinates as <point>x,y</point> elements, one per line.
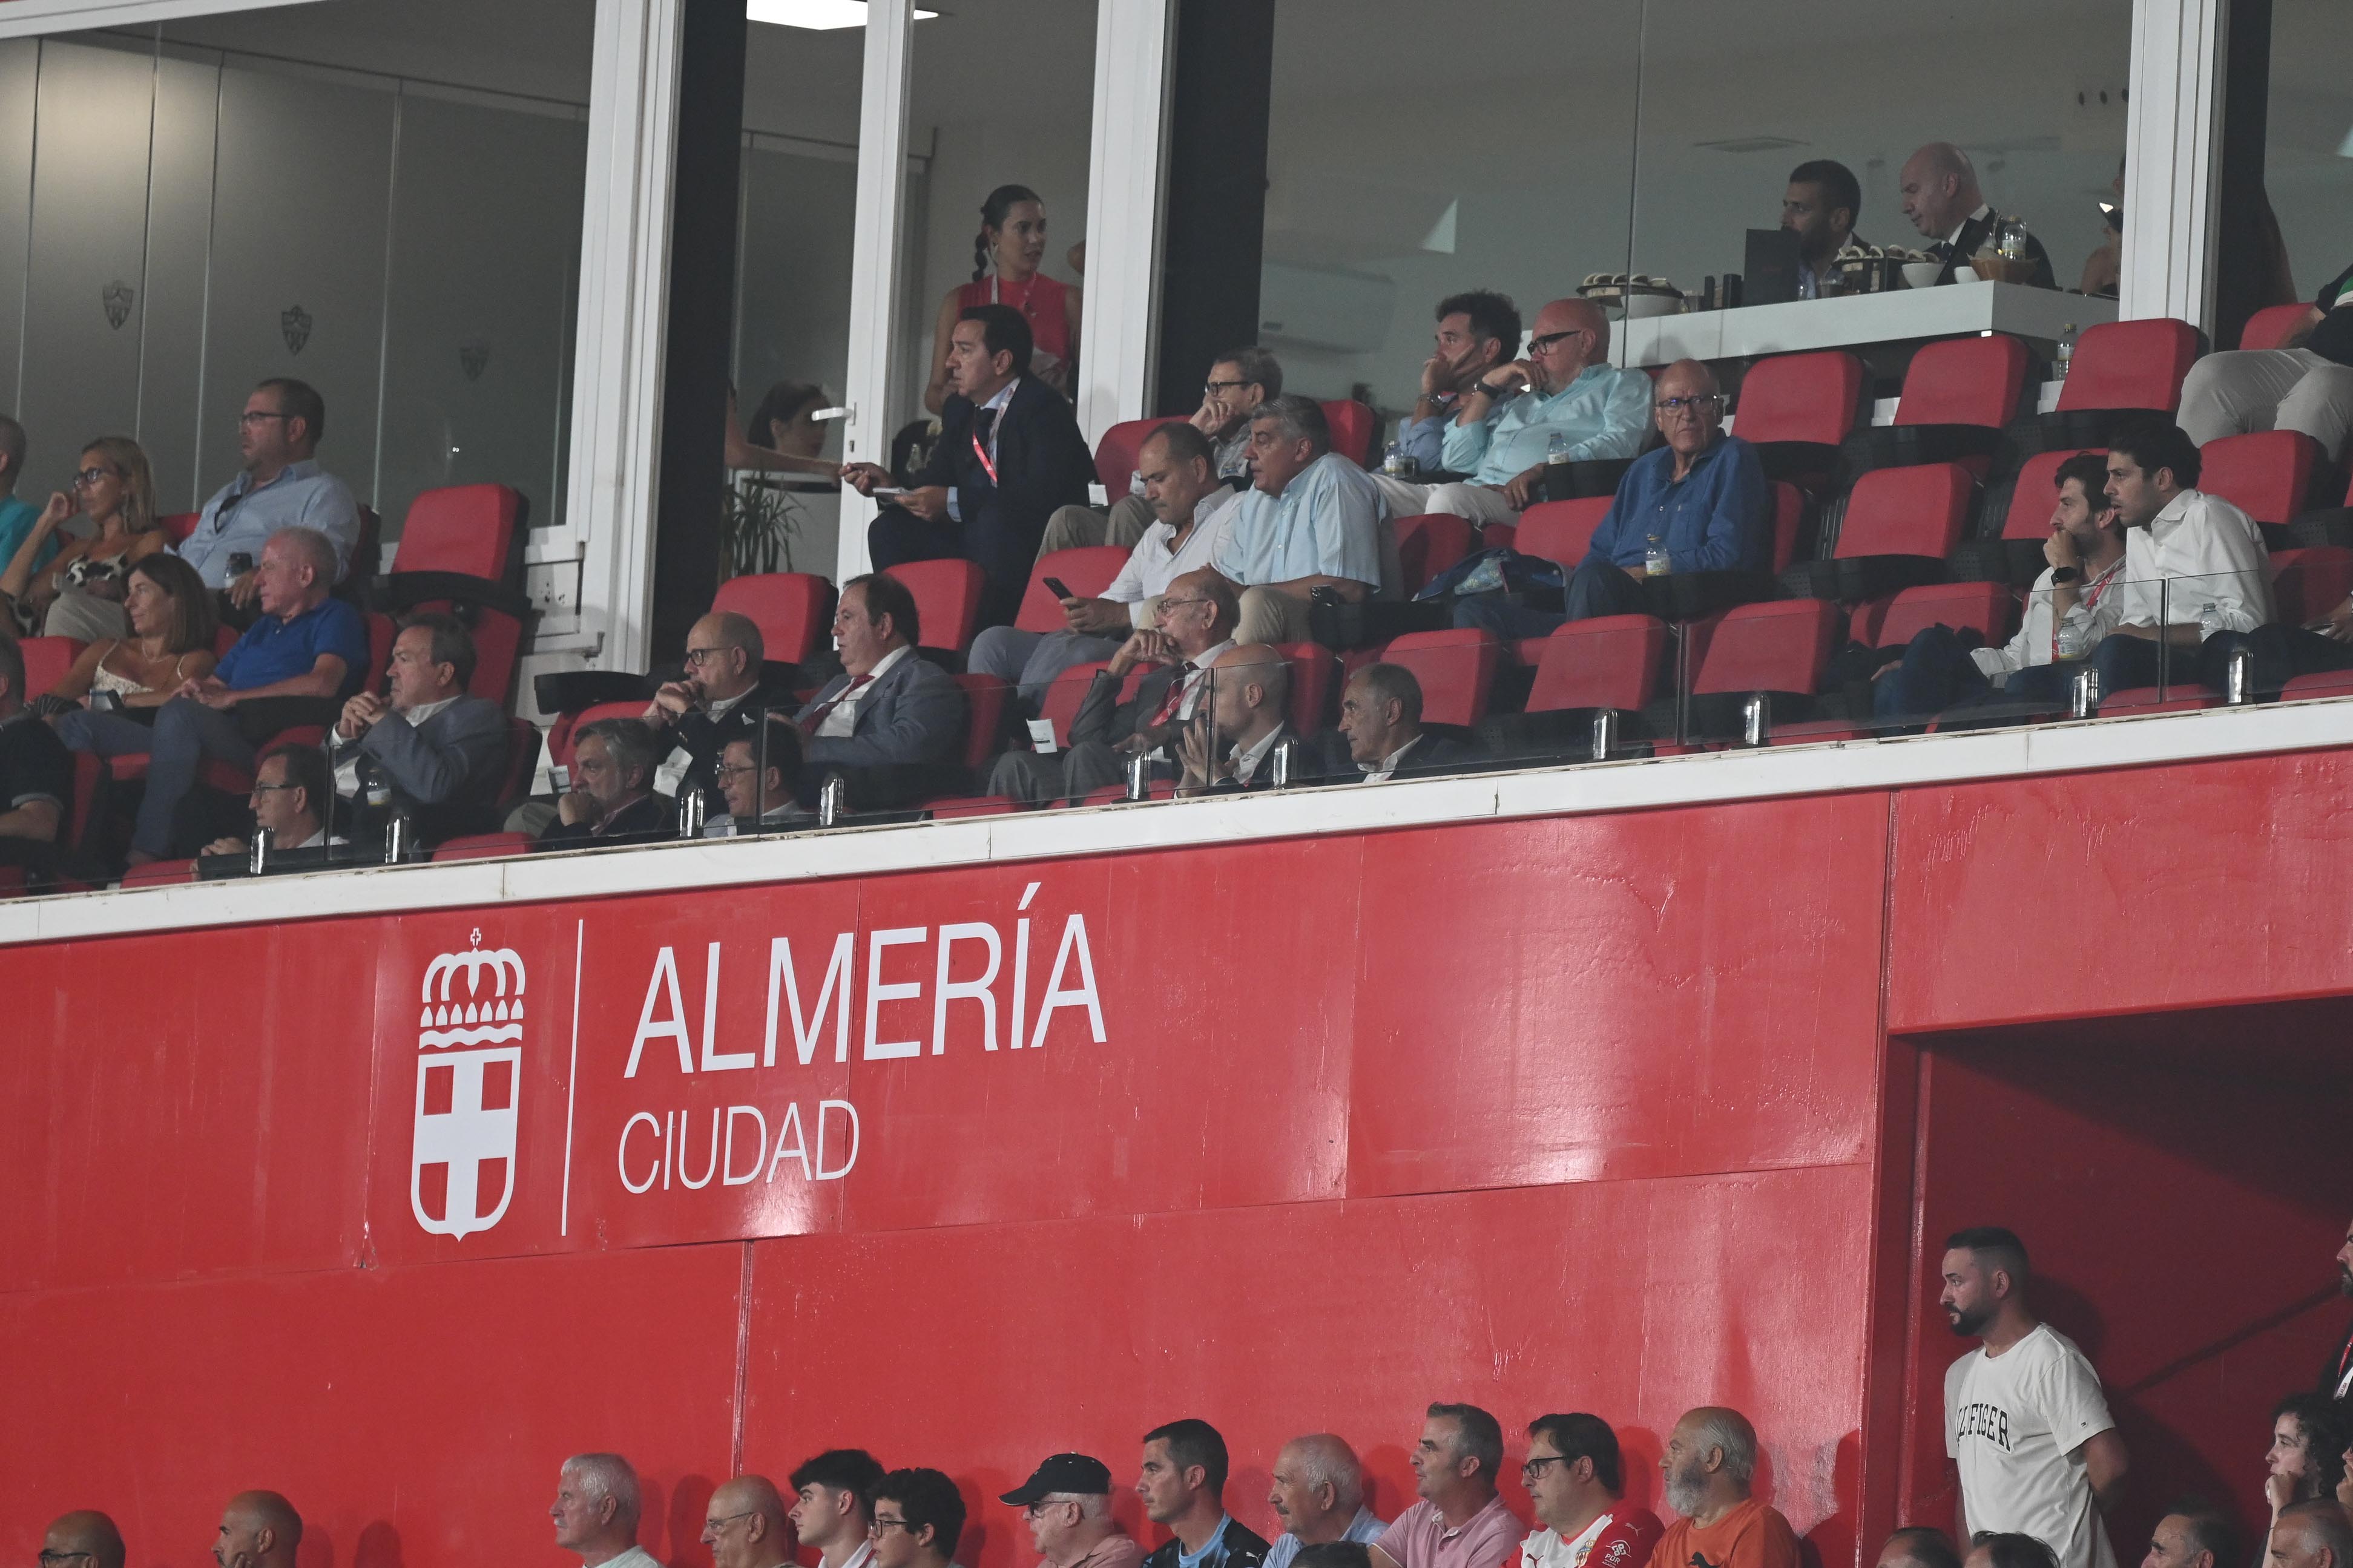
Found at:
<point>1710,1461</point>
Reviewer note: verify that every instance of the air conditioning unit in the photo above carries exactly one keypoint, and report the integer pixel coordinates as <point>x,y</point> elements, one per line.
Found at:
<point>1348,311</point>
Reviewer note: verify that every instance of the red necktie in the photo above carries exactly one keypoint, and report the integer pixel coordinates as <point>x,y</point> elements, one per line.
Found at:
<point>817,715</point>
<point>1176,698</point>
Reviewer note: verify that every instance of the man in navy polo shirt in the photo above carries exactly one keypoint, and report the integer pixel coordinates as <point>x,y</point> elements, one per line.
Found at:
<point>305,646</point>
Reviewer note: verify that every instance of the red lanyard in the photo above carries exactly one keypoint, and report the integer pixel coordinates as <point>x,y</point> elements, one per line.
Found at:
<point>2090,602</point>
<point>981,452</point>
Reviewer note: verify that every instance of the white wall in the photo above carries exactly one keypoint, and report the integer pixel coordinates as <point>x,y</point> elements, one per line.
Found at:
<point>2308,169</point>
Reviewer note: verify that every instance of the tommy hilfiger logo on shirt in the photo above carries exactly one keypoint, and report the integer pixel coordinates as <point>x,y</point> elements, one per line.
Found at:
<point>1990,1422</point>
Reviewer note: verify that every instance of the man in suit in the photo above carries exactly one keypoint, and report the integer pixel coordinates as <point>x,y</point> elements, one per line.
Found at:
<point>890,709</point>
<point>1231,747</point>
<point>1194,624</point>
<point>440,749</point>
<point>1009,453</point>
<point>2336,1376</point>
<point>1942,199</point>
<point>763,792</point>
<point>718,700</point>
<point>1380,723</point>
<point>612,798</point>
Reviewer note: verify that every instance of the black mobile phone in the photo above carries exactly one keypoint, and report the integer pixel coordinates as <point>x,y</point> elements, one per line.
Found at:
<point>1059,589</point>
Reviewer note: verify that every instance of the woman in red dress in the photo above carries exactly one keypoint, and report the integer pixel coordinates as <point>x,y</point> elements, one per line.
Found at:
<point>1005,255</point>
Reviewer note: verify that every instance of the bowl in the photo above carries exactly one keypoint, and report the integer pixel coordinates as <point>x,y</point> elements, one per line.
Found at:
<point>1921,274</point>
<point>1638,305</point>
<point>2003,269</point>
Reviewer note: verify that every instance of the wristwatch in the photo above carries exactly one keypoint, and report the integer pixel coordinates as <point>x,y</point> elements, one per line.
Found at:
<point>2065,574</point>
<point>1495,392</point>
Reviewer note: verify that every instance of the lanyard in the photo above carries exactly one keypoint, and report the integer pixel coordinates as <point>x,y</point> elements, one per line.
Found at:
<point>981,452</point>
<point>2091,592</point>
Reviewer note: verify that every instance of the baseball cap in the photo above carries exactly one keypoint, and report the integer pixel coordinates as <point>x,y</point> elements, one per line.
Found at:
<point>1062,1473</point>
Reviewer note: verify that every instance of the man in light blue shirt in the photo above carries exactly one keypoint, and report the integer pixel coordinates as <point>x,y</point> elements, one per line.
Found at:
<point>1312,519</point>
<point>1477,331</point>
<point>282,487</point>
<point>1505,421</point>
<point>17,515</point>
<point>1319,1496</point>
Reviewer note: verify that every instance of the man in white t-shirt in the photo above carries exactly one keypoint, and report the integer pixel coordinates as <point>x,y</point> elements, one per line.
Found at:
<point>2024,1416</point>
<point>596,1512</point>
<point>1577,1489</point>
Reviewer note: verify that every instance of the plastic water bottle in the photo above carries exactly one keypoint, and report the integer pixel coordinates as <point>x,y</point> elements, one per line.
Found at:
<point>1396,464</point>
<point>1556,451</point>
<point>2070,640</point>
<point>1655,560</point>
<point>2065,354</point>
<point>2210,621</point>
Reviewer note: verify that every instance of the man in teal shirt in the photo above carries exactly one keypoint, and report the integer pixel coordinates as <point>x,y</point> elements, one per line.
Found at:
<point>16,514</point>
<point>1505,422</point>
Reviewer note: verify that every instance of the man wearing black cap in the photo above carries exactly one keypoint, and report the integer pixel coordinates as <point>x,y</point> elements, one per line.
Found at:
<point>1067,1500</point>
<point>1182,1487</point>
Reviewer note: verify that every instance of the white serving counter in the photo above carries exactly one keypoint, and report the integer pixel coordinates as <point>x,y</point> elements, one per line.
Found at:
<point>1852,320</point>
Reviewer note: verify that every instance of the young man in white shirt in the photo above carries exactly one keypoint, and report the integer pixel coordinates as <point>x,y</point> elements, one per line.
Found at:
<point>1576,1482</point>
<point>2024,1417</point>
<point>2194,563</point>
<point>831,1510</point>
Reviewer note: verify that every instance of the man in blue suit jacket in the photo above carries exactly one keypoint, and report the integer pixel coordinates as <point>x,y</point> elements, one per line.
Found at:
<point>1009,453</point>
<point>440,749</point>
<point>890,708</point>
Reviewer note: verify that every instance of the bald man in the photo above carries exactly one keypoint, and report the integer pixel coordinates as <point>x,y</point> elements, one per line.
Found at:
<point>258,1529</point>
<point>595,1512</point>
<point>1504,424</point>
<point>82,1539</point>
<point>1232,746</point>
<point>1940,194</point>
<point>717,699</point>
<point>746,1527</point>
<point>1697,504</point>
<point>1318,1492</point>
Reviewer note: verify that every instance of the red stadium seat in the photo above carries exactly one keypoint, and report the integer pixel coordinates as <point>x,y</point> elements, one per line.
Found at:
<point>1780,646</point>
<point>1069,689</point>
<point>985,699</point>
<point>1115,453</point>
<point>1610,661</point>
<point>789,608</point>
<point>381,632</point>
<point>484,846</point>
<point>522,764</point>
<point>2308,583</point>
<point>1457,670</point>
<point>1313,668</point>
<point>2264,474</point>
<point>2035,497</point>
<point>466,529</point>
<point>1917,510</point>
<point>160,873</point>
<point>2179,698</point>
<point>1085,571</point>
<point>2328,683</point>
<point>1561,530</point>
<point>2267,326</point>
<point>1113,794</point>
<point>48,661</point>
<point>947,601</point>
<point>975,805</point>
<point>1430,545</point>
<point>1796,409</point>
<point>1788,516</point>
<point>178,525</point>
<point>1989,609</point>
<point>1499,536</point>
<point>1963,381</point>
<point>1352,426</point>
<point>561,738</point>
<point>2129,364</point>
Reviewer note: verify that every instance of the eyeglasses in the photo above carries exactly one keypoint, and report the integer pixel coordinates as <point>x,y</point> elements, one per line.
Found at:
<point>730,771</point>
<point>1539,345</point>
<point>253,417</point>
<point>1702,404</point>
<point>1040,1507</point>
<point>56,1559</point>
<point>1214,388</point>
<point>83,480</point>
<point>714,1526</point>
<point>882,1526</point>
<point>1180,603</point>
<point>1532,1471</point>
<point>696,657</point>
<point>261,789</point>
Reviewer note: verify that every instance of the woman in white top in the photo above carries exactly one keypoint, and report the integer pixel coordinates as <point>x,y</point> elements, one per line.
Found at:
<point>169,641</point>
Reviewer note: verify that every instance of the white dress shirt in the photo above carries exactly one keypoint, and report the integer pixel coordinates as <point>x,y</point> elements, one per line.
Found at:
<point>1246,762</point>
<point>1153,565</point>
<point>347,772</point>
<point>840,722</point>
<point>2200,550</point>
<point>2099,602</point>
<point>1378,772</point>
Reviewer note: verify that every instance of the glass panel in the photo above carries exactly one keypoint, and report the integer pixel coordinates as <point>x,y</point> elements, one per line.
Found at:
<point>2308,146</point>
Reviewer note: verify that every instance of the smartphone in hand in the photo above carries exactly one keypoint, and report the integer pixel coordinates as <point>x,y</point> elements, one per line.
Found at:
<point>1059,589</point>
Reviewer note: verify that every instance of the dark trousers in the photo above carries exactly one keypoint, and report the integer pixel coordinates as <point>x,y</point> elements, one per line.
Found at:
<point>1002,549</point>
<point>2281,653</point>
<point>1595,589</point>
<point>1938,674</point>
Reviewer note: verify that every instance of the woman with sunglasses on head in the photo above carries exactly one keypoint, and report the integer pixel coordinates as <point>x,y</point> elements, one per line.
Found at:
<point>1005,256</point>
<point>79,593</point>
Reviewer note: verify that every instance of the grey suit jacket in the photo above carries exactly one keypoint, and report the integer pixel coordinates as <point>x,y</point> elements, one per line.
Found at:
<point>914,713</point>
<point>453,758</point>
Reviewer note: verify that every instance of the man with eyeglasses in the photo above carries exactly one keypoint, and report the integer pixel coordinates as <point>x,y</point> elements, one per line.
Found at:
<point>1697,504</point>
<point>1238,383</point>
<point>1576,1480</point>
<point>291,790</point>
<point>890,708</point>
<point>1066,1503</point>
<point>281,486</point>
<point>831,1508</point>
<point>745,1525</point>
<point>612,798</point>
<point>762,793</point>
<point>82,1539</point>
<point>719,698</point>
<point>1318,1492</point>
<point>1506,419</point>
<point>918,1518</point>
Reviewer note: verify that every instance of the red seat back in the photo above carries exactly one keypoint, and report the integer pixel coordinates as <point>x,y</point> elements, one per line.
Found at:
<point>947,600</point>
<point>47,661</point>
<point>1068,690</point>
<point>2034,496</point>
<point>522,764</point>
<point>1351,424</point>
<point>1457,670</point>
<point>2129,364</point>
<point>1913,510</point>
<point>789,608</point>
<point>1429,545</point>
<point>381,632</point>
<point>483,846</point>
<point>1964,380</point>
<point>469,529</point>
<point>1085,571</point>
<point>178,525</point>
<point>2310,582</point>
<point>1808,397</point>
<point>1115,453</point>
<point>1500,536</point>
<point>1610,661</point>
<point>974,805</point>
<point>985,697</point>
<point>1561,530</point>
<point>2267,326</point>
<point>1313,674</point>
<point>1788,516</point>
<point>2263,473</point>
<point>1988,608</point>
<point>1782,645</point>
<point>159,873</point>
<point>562,740</point>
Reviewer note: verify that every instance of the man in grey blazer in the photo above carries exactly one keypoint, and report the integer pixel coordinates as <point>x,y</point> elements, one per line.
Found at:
<point>440,749</point>
<point>891,710</point>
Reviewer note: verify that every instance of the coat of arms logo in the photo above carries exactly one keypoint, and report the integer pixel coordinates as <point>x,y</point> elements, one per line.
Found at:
<point>295,322</point>
<point>462,1156</point>
<point>116,296</point>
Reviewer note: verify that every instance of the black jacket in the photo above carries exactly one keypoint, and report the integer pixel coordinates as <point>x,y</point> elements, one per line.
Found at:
<point>703,738</point>
<point>1042,460</point>
<point>1101,716</point>
<point>1237,1548</point>
<point>2334,1370</point>
<point>639,822</point>
<point>1973,234</point>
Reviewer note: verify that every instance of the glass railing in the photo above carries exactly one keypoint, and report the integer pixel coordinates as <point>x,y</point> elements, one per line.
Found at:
<point>1711,671</point>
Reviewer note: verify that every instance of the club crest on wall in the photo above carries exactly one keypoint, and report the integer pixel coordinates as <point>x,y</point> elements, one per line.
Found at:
<point>474,357</point>
<point>295,322</point>
<point>117,296</point>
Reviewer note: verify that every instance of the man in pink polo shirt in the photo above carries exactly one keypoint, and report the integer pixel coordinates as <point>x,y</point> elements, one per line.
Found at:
<point>1460,1523</point>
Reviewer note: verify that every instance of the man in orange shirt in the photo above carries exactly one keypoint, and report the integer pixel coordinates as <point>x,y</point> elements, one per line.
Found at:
<point>1710,1459</point>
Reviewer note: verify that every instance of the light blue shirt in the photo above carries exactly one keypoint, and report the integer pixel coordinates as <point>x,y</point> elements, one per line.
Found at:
<point>1424,440</point>
<point>1213,1550</point>
<point>1363,1528</point>
<point>1604,413</point>
<point>1326,523</point>
<point>301,495</point>
<point>17,517</point>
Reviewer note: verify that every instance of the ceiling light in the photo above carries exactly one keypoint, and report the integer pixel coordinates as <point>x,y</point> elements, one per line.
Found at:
<point>816,15</point>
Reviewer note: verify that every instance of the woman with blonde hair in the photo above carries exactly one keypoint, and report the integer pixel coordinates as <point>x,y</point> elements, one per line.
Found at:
<point>79,594</point>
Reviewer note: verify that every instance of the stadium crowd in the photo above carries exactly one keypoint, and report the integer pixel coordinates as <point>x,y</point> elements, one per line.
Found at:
<point>2038,1457</point>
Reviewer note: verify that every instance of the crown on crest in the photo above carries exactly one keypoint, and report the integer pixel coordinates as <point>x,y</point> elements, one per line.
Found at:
<point>482,1013</point>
